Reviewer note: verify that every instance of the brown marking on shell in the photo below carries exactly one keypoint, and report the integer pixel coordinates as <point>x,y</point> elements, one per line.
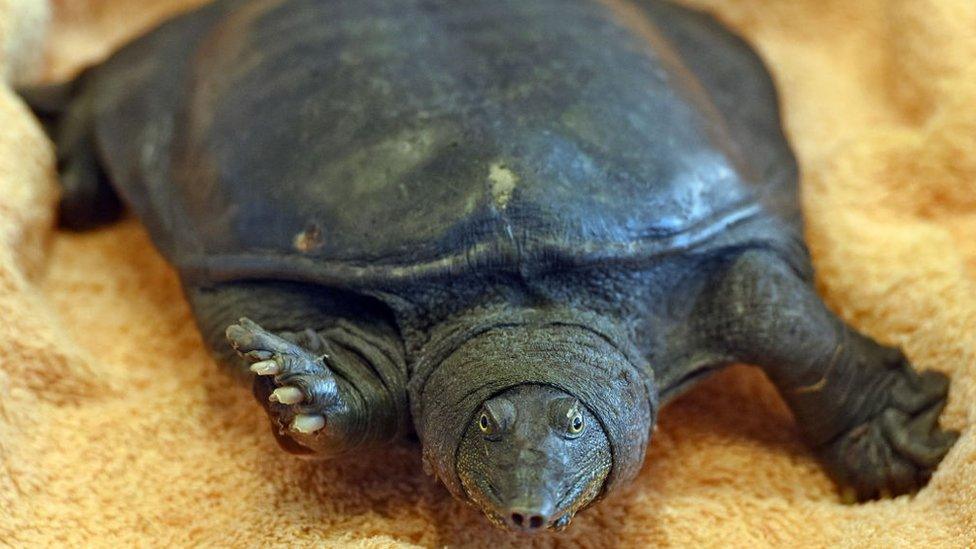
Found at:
<point>309,239</point>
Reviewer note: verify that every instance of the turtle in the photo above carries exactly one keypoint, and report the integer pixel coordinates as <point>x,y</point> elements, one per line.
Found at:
<point>509,230</point>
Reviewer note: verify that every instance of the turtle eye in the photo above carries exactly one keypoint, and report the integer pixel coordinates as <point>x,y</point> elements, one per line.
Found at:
<point>496,416</point>
<point>566,417</point>
<point>484,424</point>
<point>576,424</point>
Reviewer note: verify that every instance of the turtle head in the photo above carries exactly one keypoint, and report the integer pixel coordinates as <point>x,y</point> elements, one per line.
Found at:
<point>532,415</point>
<point>532,457</point>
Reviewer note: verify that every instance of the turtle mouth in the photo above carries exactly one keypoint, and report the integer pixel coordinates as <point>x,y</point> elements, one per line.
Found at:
<point>484,496</point>
<point>581,492</point>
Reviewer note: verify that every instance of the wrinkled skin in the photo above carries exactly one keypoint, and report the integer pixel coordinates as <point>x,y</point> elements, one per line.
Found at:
<point>532,457</point>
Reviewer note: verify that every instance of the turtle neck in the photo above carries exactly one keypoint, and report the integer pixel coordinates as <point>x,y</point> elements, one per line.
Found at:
<point>483,353</point>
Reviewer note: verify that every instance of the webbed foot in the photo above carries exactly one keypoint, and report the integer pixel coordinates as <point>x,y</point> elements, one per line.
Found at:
<point>898,448</point>
<point>307,403</point>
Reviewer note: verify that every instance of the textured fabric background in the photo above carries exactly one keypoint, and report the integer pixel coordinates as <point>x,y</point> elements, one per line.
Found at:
<point>116,427</point>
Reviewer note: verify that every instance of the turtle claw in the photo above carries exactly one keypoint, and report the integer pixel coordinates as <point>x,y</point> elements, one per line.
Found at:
<point>266,368</point>
<point>307,423</point>
<point>287,395</point>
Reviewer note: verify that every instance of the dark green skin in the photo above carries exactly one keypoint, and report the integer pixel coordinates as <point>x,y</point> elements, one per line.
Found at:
<point>523,473</point>
<point>424,215</point>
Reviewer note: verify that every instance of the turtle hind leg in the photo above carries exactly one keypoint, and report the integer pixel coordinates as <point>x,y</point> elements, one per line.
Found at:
<point>870,416</point>
<point>87,198</point>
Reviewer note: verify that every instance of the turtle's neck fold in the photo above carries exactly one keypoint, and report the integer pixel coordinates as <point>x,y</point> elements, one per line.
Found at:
<point>482,353</point>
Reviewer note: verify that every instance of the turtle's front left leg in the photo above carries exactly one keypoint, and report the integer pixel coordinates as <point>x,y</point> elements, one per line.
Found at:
<point>871,417</point>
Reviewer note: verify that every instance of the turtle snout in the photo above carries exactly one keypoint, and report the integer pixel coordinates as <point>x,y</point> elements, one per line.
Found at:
<point>528,518</point>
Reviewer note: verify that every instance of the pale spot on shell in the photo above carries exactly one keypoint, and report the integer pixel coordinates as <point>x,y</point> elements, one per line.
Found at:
<point>503,181</point>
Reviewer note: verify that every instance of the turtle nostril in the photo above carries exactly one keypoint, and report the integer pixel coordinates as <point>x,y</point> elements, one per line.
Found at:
<point>518,519</point>
<point>526,520</point>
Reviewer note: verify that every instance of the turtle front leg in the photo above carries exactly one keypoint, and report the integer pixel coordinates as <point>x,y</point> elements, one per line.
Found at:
<point>326,366</point>
<point>871,417</point>
<point>299,389</point>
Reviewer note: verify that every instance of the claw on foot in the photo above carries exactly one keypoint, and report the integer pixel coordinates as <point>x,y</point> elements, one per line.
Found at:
<point>266,368</point>
<point>287,395</point>
<point>307,423</point>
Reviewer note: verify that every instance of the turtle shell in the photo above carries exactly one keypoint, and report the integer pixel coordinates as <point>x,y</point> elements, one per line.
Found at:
<point>365,142</point>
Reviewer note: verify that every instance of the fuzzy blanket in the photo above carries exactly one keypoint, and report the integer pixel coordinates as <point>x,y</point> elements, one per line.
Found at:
<point>116,428</point>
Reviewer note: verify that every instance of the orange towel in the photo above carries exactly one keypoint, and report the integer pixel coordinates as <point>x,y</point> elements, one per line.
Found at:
<point>117,428</point>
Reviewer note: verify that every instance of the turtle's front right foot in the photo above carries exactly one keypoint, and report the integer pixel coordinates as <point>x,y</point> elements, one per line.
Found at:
<point>307,404</point>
